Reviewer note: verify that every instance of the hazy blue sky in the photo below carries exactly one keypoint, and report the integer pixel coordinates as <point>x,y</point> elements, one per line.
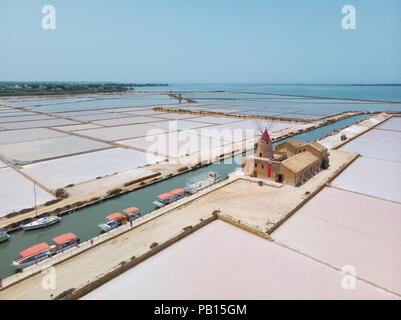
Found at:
<point>274,41</point>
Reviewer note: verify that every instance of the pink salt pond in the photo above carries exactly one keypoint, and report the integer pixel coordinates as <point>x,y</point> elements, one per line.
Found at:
<point>221,261</point>
<point>344,228</point>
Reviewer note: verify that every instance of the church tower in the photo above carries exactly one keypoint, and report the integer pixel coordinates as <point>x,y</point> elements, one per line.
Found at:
<point>265,146</point>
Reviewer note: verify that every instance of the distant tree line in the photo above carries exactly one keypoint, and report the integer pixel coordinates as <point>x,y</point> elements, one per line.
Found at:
<point>53,88</point>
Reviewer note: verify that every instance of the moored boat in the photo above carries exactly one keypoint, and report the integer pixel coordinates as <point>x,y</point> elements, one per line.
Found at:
<point>65,241</point>
<point>169,197</point>
<point>41,223</point>
<point>202,182</point>
<point>4,236</point>
<point>115,220</point>
<point>43,251</point>
<point>32,255</point>
<point>132,213</point>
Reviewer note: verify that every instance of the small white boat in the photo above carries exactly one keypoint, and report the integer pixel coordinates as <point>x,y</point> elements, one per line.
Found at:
<point>169,197</point>
<point>4,236</point>
<point>43,251</point>
<point>202,182</point>
<point>41,223</point>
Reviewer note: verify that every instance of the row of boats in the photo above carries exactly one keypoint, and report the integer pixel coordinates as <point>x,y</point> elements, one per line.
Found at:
<point>43,251</point>
<point>199,184</point>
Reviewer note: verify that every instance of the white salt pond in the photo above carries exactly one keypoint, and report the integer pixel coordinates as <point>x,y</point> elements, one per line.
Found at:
<point>38,123</point>
<point>126,120</point>
<point>174,144</point>
<point>15,136</point>
<point>377,178</point>
<point>392,124</point>
<point>71,170</point>
<point>123,132</point>
<point>48,148</point>
<point>377,144</point>
<point>196,268</point>
<point>17,192</point>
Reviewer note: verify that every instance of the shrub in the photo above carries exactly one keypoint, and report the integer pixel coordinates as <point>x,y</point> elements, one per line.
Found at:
<point>64,294</point>
<point>325,164</point>
<point>114,191</point>
<point>307,193</point>
<point>154,245</point>
<point>61,194</point>
<point>49,203</point>
<point>260,183</point>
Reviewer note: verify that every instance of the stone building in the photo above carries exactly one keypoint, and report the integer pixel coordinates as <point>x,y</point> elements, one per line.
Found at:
<point>292,162</point>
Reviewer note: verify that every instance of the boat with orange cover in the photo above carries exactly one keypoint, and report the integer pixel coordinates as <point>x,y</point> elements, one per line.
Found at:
<point>115,220</point>
<point>169,197</point>
<point>43,251</point>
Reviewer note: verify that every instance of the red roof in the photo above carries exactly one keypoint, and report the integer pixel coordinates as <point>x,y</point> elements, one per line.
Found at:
<point>34,249</point>
<point>177,191</point>
<point>114,216</point>
<point>165,195</point>
<point>131,209</point>
<point>170,194</point>
<point>64,238</point>
<point>265,136</point>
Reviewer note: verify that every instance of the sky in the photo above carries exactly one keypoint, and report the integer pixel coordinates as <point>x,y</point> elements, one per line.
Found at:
<point>202,41</point>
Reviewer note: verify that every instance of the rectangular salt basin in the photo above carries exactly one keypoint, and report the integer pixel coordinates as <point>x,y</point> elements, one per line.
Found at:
<point>216,120</point>
<point>127,120</point>
<point>17,192</point>
<point>38,123</point>
<point>347,229</point>
<point>117,102</point>
<point>123,132</point>
<point>73,114</point>
<point>99,116</point>
<point>49,148</point>
<point>175,116</point>
<point>377,146</point>
<point>392,124</point>
<point>15,136</point>
<point>148,112</point>
<point>174,125</point>
<point>79,127</point>
<point>173,144</point>
<point>62,172</point>
<point>24,118</point>
<point>6,114</point>
<point>220,261</point>
<point>381,135</point>
<point>378,178</point>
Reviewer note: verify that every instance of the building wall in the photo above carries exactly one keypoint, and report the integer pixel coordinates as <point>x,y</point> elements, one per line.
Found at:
<point>316,152</point>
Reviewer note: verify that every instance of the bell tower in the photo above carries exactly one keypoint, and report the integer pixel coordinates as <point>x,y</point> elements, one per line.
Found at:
<point>265,146</point>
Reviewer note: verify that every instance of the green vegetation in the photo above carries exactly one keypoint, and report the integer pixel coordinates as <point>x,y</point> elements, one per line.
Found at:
<point>56,88</point>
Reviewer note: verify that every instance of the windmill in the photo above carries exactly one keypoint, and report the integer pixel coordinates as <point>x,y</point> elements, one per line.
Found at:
<point>260,126</point>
